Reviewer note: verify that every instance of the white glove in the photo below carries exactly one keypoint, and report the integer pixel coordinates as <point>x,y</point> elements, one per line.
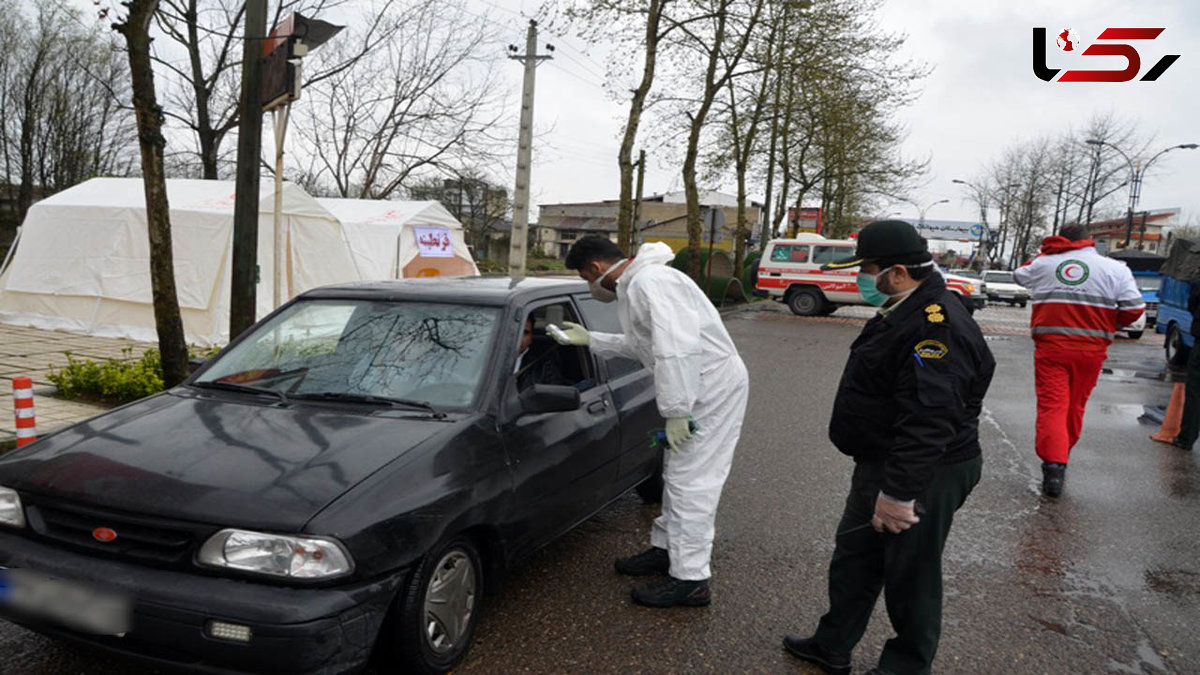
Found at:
<point>678,432</point>
<point>572,334</point>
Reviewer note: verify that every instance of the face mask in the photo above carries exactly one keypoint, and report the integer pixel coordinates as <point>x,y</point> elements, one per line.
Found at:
<point>868,287</point>
<point>601,293</point>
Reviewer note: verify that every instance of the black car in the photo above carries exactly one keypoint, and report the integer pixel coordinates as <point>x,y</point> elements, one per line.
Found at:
<point>341,482</point>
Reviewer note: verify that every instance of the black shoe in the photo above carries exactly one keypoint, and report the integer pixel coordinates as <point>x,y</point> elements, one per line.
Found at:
<point>671,592</point>
<point>806,649</point>
<point>653,560</point>
<point>1181,445</point>
<point>1053,476</point>
<point>878,671</point>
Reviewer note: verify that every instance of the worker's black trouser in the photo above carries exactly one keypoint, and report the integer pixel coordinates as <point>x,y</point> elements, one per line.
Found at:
<point>1189,426</point>
<point>906,566</point>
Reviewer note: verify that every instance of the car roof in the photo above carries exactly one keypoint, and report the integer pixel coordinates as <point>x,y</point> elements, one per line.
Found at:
<point>483,290</point>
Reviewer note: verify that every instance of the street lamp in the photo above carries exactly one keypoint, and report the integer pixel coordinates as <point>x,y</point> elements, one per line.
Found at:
<point>922,220</point>
<point>1136,172</point>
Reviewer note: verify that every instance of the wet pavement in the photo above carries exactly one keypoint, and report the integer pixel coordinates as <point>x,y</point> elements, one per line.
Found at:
<point>1105,579</point>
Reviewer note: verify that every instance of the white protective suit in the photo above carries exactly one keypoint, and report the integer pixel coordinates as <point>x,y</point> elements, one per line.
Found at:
<point>673,329</point>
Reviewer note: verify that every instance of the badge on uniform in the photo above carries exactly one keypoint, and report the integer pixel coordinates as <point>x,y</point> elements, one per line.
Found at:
<point>934,313</point>
<point>931,349</point>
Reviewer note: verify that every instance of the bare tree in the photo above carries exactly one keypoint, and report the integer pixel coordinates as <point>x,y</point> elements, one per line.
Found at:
<point>203,88</point>
<point>427,101</point>
<point>134,26</point>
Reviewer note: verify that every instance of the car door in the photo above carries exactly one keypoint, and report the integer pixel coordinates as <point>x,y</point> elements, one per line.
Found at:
<point>563,464</point>
<point>632,388</point>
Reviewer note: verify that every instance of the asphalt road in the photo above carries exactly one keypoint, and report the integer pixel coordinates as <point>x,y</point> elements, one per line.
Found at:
<point>1106,579</point>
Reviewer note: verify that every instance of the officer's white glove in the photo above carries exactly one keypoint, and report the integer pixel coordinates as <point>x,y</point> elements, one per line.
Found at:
<point>678,432</point>
<point>571,334</point>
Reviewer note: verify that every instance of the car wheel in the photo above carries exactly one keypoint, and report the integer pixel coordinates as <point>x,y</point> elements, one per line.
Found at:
<point>432,620</point>
<point>651,489</point>
<point>805,302</point>
<point>1023,303</point>
<point>1134,334</point>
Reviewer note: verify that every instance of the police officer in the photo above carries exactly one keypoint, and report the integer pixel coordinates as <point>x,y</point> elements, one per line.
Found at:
<point>907,411</point>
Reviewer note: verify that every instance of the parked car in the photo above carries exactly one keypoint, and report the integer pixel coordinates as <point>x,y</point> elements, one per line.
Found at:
<point>1003,287</point>
<point>1135,330</point>
<point>790,272</point>
<point>343,481</point>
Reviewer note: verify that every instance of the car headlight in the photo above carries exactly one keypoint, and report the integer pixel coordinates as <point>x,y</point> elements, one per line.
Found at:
<point>11,513</point>
<point>292,557</point>
<point>970,289</point>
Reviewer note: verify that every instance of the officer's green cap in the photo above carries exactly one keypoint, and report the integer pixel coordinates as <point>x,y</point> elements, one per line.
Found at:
<point>890,242</point>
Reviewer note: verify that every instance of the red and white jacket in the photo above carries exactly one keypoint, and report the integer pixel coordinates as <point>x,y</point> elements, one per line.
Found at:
<point>1080,298</point>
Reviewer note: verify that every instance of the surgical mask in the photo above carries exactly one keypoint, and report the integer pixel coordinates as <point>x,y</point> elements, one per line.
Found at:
<point>868,287</point>
<point>601,293</point>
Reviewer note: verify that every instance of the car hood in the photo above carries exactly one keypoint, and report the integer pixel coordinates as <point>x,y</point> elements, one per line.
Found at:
<point>217,459</point>
<point>1005,286</point>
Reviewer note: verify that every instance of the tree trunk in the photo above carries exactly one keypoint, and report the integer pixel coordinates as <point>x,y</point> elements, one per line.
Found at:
<point>625,156</point>
<point>167,319</point>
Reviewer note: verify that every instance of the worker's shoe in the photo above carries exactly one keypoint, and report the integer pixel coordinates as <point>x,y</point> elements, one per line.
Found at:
<point>1053,476</point>
<point>672,592</point>
<point>1181,444</point>
<point>878,671</point>
<point>653,560</point>
<point>807,649</point>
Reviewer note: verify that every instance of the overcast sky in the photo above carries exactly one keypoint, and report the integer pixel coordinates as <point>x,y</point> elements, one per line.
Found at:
<point>981,97</point>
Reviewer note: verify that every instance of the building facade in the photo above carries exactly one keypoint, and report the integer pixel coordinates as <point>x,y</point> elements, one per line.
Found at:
<point>663,218</point>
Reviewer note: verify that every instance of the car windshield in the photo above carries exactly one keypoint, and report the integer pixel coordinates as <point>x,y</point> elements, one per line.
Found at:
<point>970,274</point>
<point>999,277</point>
<point>1149,283</point>
<point>353,350</point>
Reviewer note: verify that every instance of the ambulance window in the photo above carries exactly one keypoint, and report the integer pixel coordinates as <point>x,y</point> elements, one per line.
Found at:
<point>791,253</point>
<point>824,254</point>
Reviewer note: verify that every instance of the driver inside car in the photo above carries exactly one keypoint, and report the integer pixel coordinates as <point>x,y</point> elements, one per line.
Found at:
<point>537,361</point>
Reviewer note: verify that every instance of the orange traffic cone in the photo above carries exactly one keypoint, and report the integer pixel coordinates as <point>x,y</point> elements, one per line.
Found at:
<point>1170,425</point>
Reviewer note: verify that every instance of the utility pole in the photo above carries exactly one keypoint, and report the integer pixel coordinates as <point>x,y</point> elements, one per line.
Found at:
<point>520,228</point>
<point>245,206</point>
<point>637,205</point>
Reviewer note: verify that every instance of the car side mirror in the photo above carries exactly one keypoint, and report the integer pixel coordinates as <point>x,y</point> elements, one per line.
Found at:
<point>548,398</point>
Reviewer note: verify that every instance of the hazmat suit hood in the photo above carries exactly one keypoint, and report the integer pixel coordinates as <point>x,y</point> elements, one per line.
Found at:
<point>653,253</point>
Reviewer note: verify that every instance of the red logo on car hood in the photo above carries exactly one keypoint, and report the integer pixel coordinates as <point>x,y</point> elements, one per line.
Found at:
<point>103,534</point>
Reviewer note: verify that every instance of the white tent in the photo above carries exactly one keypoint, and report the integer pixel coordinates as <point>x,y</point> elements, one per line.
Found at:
<point>394,240</point>
<point>82,263</point>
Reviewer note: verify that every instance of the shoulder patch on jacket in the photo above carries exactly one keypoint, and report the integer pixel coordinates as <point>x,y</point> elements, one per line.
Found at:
<point>931,349</point>
<point>934,313</point>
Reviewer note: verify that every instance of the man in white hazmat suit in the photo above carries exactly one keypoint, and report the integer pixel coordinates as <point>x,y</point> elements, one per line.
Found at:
<point>674,330</point>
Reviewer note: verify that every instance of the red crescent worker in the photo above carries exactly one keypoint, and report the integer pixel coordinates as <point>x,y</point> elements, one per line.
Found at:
<point>1080,299</point>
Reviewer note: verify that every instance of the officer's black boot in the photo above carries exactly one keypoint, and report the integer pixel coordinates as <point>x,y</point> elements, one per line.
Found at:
<point>673,592</point>
<point>653,560</point>
<point>1053,475</point>
<point>806,649</point>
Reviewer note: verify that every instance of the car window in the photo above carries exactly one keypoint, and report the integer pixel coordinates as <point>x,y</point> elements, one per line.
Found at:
<point>793,253</point>
<point>431,352</point>
<point>999,277</point>
<point>827,254</point>
<point>547,362</point>
<point>602,317</point>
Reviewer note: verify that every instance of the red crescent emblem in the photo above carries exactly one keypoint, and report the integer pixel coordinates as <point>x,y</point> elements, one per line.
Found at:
<point>103,534</point>
<point>1071,272</point>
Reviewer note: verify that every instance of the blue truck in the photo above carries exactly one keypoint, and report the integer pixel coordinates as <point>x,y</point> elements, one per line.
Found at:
<point>1180,271</point>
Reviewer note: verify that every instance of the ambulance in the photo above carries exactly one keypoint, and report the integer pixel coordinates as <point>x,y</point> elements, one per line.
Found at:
<point>790,272</point>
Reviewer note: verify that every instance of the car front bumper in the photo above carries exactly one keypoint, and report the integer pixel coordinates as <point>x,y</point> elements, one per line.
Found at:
<point>293,630</point>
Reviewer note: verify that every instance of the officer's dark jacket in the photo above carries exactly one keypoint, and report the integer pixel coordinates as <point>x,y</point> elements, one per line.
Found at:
<point>913,388</point>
